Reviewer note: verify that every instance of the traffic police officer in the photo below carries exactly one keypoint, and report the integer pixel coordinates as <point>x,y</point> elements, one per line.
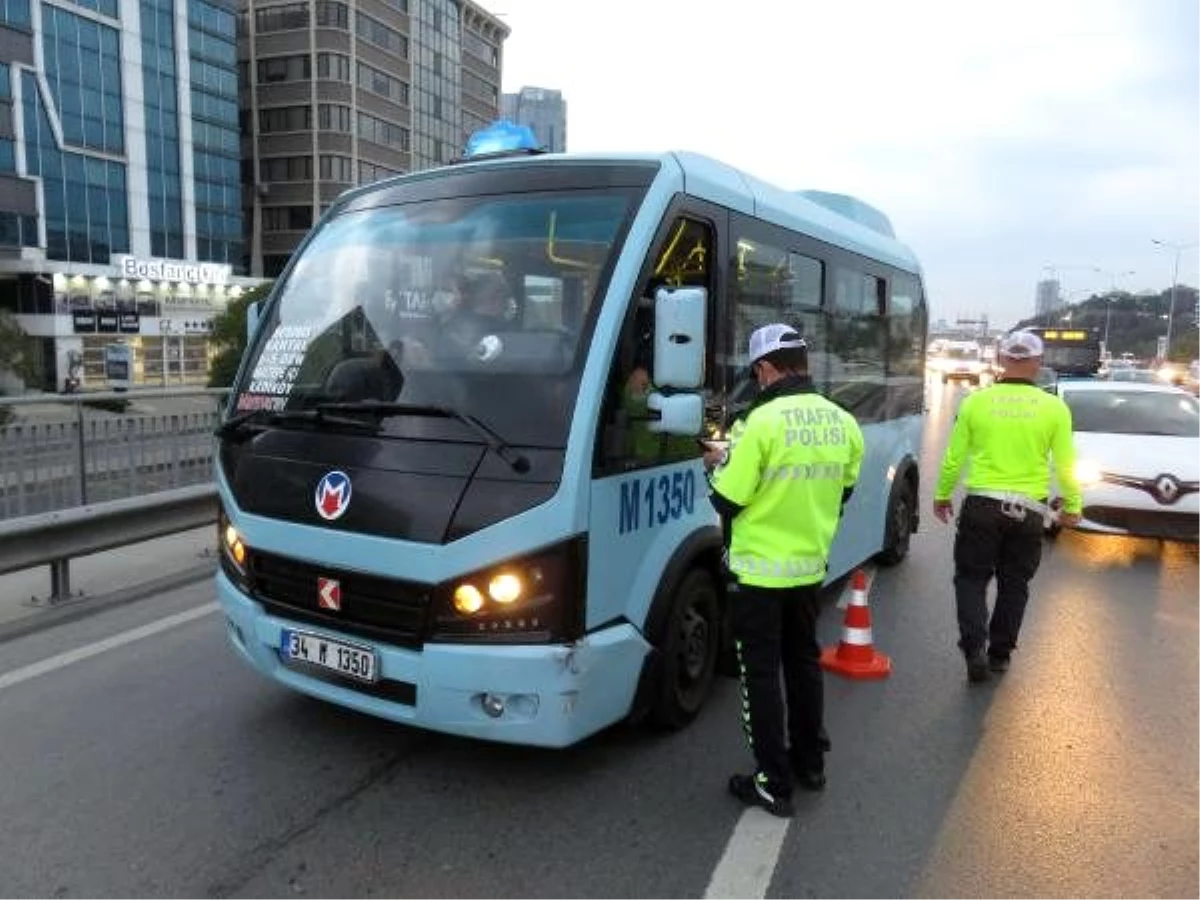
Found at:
<point>1006,434</point>
<point>780,489</point>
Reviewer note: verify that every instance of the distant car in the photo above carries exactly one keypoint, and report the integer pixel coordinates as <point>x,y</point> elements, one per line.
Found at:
<point>1146,376</point>
<point>959,361</point>
<point>1138,457</point>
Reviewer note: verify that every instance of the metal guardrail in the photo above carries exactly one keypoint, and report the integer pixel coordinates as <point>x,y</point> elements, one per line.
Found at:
<point>80,474</point>
<point>59,452</point>
<point>55,538</point>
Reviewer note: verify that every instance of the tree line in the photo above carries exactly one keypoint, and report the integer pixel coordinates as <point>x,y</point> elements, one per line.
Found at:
<point>1134,322</point>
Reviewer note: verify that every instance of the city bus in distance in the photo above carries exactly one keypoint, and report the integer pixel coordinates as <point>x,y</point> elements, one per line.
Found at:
<point>1070,351</point>
<point>513,541</point>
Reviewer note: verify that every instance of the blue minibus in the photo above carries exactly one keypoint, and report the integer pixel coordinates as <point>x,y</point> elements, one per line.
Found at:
<point>460,472</point>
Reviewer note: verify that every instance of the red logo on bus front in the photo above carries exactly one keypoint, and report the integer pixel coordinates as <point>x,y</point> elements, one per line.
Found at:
<point>329,594</point>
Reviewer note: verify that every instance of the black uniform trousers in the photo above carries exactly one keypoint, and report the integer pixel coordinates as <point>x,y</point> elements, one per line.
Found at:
<point>776,628</point>
<point>988,543</point>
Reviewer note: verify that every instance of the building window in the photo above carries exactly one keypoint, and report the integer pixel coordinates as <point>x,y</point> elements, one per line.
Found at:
<point>285,118</point>
<point>83,69</point>
<point>333,117</point>
<point>204,46</point>
<point>16,14</point>
<point>216,144</point>
<point>479,48</point>
<point>369,172</point>
<point>287,218</point>
<point>284,68</point>
<point>333,67</point>
<point>336,168</point>
<point>281,18</point>
<point>86,205</point>
<point>479,87</point>
<point>286,168</point>
<point>273,265</point>
<point>104,7</point>
<point>162,127</point>
<point>213,19</point>
<point>216,109</point>
<point>377,33</point>
<point>17,230</point>
<point>381,132</point>
<point>383,84</point>
<point>332,15</point>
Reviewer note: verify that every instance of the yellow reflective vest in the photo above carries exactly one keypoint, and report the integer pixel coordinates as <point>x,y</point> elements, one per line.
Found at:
<point>789,462</point>
<point>1006,435</point>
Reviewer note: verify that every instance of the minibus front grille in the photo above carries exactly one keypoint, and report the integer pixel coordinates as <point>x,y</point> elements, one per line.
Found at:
<point>379,609</point>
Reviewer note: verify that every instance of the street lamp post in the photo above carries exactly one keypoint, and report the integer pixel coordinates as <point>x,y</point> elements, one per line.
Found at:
<point>1178,248</point>
<point>1112,280</point>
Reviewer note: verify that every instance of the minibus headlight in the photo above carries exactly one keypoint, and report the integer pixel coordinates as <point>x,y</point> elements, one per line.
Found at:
<point>507,587</point>
<point>468,599</point>
<point>233,550</point>
<point>533,599</point>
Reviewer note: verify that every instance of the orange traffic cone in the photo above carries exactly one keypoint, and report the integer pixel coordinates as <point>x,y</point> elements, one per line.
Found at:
<point>855,655</point>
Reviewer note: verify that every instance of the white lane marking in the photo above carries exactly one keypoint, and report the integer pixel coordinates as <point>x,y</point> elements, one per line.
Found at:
<point>16,676</point>
<point>746,867</point>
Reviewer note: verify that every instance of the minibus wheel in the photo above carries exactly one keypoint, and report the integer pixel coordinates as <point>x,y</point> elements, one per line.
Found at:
<point>689,651</point>
<point>899,527</point>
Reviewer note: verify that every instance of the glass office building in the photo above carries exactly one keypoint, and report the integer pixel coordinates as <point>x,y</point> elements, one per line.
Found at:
<point>120,207</point>
<point>337,93</point>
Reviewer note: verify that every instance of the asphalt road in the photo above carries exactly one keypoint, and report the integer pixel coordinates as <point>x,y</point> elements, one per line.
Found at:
<point>141,758</point>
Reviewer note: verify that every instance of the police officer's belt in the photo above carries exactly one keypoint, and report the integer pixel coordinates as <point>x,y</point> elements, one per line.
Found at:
<point>1015,505</point>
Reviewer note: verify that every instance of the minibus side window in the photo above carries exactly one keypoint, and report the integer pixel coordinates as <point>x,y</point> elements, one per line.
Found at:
<point>684,259</point>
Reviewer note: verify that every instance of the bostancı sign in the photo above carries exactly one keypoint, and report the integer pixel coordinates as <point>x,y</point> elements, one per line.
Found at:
<point>167,270</point>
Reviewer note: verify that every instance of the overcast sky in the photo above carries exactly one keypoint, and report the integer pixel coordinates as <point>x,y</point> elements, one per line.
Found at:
<point>1000,138</point>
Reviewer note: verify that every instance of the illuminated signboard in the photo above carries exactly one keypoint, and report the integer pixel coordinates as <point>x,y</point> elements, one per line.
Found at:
<point>133,268</point>
<point>1065,335</point>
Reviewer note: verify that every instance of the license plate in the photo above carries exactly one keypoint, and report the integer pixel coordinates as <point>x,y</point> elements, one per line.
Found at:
<point>359,663</point>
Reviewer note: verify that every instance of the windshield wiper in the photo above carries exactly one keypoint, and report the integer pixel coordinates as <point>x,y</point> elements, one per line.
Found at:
<point>517,461</point>
<point>258,420</point>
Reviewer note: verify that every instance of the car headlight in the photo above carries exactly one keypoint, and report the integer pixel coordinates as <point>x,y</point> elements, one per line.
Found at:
<point>533,599</point>
<point>1088,472</point>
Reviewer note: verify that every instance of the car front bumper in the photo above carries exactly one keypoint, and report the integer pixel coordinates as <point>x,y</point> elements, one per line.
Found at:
<point>1117,509</point>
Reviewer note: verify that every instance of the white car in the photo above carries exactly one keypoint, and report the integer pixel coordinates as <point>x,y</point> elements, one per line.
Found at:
<point>1138,457</point>
<point>959,361</point>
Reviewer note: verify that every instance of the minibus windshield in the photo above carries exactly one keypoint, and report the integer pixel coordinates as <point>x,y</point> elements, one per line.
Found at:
<point>477,305</point>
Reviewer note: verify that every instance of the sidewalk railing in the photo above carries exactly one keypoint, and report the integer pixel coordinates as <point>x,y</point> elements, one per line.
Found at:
<point>84,473</point>
<point>61,452</point>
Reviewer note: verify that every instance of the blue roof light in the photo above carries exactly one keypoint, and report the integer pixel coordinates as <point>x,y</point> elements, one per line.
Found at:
<point>501,138</point>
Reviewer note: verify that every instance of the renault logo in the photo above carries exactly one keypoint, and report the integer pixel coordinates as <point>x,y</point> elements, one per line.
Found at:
<point>1166,488</point>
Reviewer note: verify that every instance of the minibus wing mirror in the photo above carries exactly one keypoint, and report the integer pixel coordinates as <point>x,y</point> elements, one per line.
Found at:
<point>675,413</point>
<point>679,320</point>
